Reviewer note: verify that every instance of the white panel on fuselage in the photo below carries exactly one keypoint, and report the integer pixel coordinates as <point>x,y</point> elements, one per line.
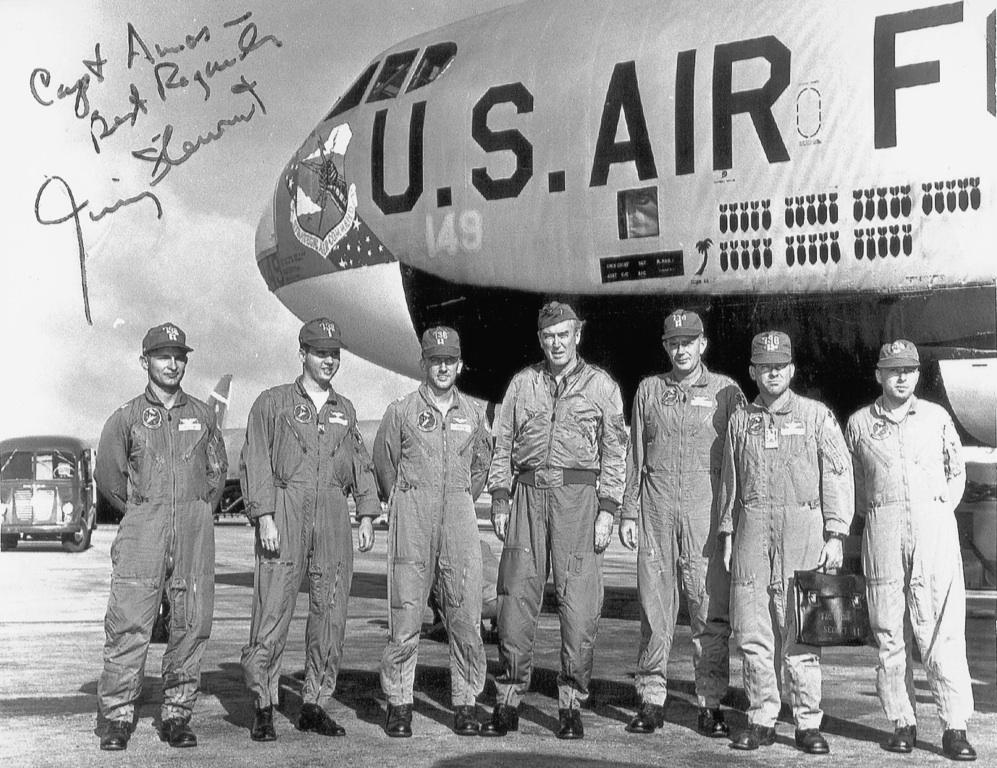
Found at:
<point>355,296</point>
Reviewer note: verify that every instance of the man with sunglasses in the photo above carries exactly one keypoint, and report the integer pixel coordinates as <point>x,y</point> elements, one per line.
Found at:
<point>909,477</point>
<point>787,497</point>
<point>303,455</point>
<point>431,458</point>
<point>161,463</point>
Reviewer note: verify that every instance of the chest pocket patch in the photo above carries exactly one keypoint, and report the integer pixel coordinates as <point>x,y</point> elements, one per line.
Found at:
<point>152,418</point>
<point>338,417</point>
<point>426,421</point>
<point>301,414</point>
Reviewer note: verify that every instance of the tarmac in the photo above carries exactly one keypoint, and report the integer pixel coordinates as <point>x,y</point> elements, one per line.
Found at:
<point>51,635</point>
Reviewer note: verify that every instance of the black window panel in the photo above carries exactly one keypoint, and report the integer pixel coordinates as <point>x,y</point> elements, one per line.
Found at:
<point>435,62</point>
<point>355,94</point>
<point>389,82</point>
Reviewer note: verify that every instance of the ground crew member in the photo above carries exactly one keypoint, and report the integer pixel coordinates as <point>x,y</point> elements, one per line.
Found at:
<point>560,454</point>
<point>669,515</point>
<point>161,463</point>
<point>909,477</point>
<point>431,457</point>
<point>787,496</point>
<point>303,454</point>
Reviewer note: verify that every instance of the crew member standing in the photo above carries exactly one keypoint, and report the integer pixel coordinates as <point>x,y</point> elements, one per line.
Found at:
<point>909,477</point>
<point>431,458</point>
<point>161,463</point>
<point>788,498</point>
<point>560,454</point>
<point>670,516</point>
<point>303,455</point>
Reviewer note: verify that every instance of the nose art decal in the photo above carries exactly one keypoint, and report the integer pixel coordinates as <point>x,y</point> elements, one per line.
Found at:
<point>323,205</point>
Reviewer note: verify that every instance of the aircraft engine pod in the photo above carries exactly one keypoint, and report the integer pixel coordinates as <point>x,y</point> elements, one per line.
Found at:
<point>826,168</point>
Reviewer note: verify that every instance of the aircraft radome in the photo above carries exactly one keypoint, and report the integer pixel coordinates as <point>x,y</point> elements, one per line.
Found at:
<point>826,168</point>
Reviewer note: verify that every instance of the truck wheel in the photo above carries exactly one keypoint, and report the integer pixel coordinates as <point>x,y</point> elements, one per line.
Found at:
<point>77,542</point>
<point>8,542</point>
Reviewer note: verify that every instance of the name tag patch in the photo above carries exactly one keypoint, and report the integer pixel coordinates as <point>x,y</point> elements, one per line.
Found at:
<point>458,427</point>
<point>702,402</point>
<point>189,425</point>
<point>338,417</point>
<point>793,428</point>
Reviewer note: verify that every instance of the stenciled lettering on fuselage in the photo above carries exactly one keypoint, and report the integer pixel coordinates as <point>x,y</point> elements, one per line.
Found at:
<point>843,151</point>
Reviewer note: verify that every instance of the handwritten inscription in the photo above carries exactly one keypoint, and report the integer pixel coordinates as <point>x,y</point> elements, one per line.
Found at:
<point>159,71</point>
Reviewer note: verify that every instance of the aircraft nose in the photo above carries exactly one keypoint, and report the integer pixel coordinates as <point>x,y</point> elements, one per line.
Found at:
<point>266,234</point>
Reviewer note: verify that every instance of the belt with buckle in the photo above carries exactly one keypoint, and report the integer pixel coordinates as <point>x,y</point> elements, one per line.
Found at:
<point>555,477</point>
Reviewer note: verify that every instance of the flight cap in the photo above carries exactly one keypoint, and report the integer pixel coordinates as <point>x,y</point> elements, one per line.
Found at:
<point>899,354</point>
<point>682,323</point>
<point>771,348</point>
<point>554,312</point>
<point>440,341</point>
<point>163,336</point>
<point>320,334</point>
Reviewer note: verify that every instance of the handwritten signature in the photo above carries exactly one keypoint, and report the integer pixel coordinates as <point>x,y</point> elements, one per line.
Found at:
<point>73,214</point>
<point>162,153</point>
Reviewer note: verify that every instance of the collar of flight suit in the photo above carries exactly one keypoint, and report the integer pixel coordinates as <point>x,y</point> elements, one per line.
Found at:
<point>458,398</point>
<point>880,412</point>
<point>697,378</point>
<point>332,398</point>
<point>153,400</point>
<point>788,402</point>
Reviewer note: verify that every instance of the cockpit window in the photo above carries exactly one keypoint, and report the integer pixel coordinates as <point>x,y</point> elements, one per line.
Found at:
<point>353,96</point>
<point>389,82</point>
<point>435,62</point>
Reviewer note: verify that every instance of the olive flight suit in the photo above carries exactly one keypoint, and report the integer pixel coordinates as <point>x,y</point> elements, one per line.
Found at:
<point>432,466</point>
<point>164,468</point>
<point>299,465</point>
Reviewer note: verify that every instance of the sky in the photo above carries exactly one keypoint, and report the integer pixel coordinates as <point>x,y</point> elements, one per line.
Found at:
<point>164,241</point>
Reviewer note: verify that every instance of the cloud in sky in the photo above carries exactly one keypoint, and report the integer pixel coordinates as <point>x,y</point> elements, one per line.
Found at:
<point>194,265</point>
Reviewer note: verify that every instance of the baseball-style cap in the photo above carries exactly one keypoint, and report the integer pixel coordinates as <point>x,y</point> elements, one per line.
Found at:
<point>440,341</point>
<point>898,354</point>
<point>554,312</point>
<point>165,335</point>
<point>320,334</point>
<point>771,348</point>
<point>682,323</point>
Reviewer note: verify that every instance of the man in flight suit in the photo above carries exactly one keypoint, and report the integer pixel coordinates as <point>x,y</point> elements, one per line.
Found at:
<point>161,463</point>
<point>909,477</point>
<point>787,496</point>
<point>560,454</point>
<point>303,455</point>
<point>431,457</point>
<point>670,516</point>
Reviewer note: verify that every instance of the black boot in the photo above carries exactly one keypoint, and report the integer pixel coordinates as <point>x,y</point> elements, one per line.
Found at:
<point>711,723</point>
<point>903,740</point>
<point>116,735</point>
<point>315,719</point>
<point>812,742</point>
<point>263,729</point>
<point>569,724</point>
<point>956,746</point>
<point>649,718</point>
<point>177,733</point>
<point>504,719</point>
<point>465,723</point>
<point>753,737</point>
<point>398,723</point>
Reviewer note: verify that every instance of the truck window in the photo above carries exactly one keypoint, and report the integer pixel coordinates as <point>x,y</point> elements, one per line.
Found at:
<point>16,465</point>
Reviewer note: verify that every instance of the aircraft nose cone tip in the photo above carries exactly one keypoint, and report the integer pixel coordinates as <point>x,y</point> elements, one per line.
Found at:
<point>266,235</point>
